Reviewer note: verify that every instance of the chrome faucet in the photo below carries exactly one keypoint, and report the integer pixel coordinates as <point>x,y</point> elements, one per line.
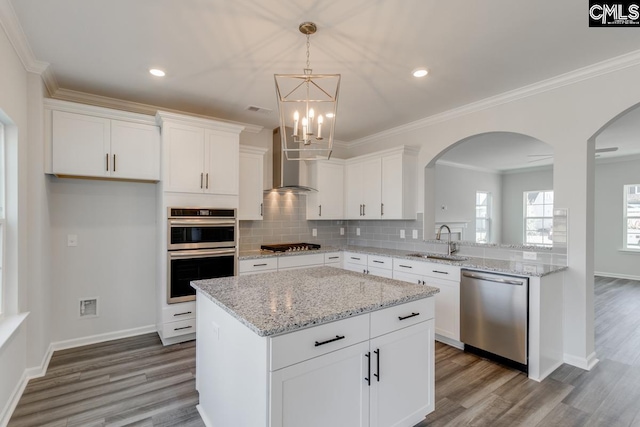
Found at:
<point>451,247</point>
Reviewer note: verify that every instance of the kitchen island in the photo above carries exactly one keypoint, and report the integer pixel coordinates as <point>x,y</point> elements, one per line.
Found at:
<point>314,347</point>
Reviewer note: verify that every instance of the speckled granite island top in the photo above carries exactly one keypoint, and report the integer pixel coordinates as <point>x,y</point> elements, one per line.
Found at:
<point>279,302</point>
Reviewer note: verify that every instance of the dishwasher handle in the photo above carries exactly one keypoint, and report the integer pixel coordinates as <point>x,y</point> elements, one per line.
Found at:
<point>492,279</point>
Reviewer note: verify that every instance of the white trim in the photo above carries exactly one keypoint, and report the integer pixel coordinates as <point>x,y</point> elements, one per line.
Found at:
<point>169,116</point>
<point>86,109</point>
<point>608,66</point>
<point>547,372</point>
<point>449,341</point>
<point>9,324</point>
<point>401,149</point>
<point>137,107</point>
<point>616,275</point>
<point>629,251</point>
<point>11,25</point>
<point>586,363</point>
<point>250,149</point>
<point>13,400</point>
<point>109,336</point>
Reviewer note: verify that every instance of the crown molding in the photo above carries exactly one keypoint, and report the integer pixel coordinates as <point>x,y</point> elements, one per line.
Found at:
<point>163,117</point>
<point>137,107</point>
<point>11,26</point>
<point>605,67</point>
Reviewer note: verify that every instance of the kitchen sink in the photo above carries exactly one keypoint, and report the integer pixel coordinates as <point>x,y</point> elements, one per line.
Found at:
<point>444,257</point>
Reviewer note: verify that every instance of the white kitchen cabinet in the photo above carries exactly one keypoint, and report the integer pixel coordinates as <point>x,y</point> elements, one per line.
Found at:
<point>199,155</point>
<point>377,265</point>
<point>326,176</point>
<point>258,265</point>
<point>323,391</point>
<point>333,258</point>
<point>363,196</point>
<point>403,361</point>
<point>93,146</point>
<point>447,279</point>
<point>250,204</point>
<point>382,185</point>
<point>177,320</point>
<point>290,262</point>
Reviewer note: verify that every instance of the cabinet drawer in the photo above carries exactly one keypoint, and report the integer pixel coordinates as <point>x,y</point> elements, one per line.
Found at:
<point>293,261</point>
<point>307,343</point>
<point>181,327</point>
<point>180,311</point>
<point>355,258</point>
<point>333,258</point>
<point>383,262</point>
<point>442,271</point>
<point>400,316</point>
<point>380,272</point>
<point>257,265</point>
<point>409,266</point>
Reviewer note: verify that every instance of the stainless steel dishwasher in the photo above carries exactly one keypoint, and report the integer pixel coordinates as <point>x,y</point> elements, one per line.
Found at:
<point>494,312</point>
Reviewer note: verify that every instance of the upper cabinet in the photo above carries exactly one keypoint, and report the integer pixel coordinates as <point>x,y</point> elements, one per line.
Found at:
<point>95,142</point>
<point>199,155</point>
<point>382,185</point>
<point>250,205</point>
<point>326,176</point>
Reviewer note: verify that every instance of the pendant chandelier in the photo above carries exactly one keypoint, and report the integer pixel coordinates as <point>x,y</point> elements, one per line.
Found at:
<point>307,105</point>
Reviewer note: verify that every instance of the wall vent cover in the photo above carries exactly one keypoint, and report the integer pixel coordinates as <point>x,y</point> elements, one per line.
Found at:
<point>88,308</point>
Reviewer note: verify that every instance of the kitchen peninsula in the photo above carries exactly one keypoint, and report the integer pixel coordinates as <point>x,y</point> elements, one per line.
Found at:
<point>314,347</point>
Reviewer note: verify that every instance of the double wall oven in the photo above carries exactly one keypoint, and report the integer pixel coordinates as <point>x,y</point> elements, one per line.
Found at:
<point>201,244</point>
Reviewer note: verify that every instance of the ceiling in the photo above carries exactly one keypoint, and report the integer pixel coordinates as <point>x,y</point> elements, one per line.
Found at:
<point>220,55</point>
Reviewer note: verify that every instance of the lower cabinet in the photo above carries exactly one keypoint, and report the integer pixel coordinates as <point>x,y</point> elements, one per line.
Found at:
<point>384,381</point>
<point>376,265</point>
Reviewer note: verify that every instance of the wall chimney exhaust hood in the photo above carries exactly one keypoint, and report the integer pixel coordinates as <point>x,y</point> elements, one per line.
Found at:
<point>286,173</point>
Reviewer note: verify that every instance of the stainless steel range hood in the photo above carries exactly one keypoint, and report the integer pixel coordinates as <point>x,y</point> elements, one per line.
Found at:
<point>286,173</point>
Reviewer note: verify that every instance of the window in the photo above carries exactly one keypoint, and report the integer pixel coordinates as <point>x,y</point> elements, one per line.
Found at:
<point>538,217</point>
<point>631,217</point>
<point>483,217</point>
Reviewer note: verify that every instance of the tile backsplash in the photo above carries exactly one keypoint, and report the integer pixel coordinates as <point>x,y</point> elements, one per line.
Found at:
<point>285,221</point>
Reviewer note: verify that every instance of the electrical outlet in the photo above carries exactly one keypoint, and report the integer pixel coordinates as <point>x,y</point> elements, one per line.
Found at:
<point>72,240</point>
<point>532,256</point>
<point>414,234</point>
<point>529,268</point>
<point>402,236</point>
<point>342,231</point>
<point>314,232</point>
<point>357,231</point>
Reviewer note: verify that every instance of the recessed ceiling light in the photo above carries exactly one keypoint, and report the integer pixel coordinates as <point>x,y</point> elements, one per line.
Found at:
<point>157,72</point>
<point>420,72</point>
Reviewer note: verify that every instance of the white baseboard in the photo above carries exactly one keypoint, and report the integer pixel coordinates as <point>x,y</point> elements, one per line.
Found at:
<point>41,370</point>
<point>616,276</point>
<point>586,363</point>
<point>94,339</point>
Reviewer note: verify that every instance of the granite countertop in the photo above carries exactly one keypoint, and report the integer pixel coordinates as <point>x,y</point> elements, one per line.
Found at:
<point>516,267</point>
<point>279,302</point>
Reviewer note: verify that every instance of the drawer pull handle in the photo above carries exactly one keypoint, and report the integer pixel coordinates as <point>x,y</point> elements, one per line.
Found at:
<point>404,266</point>
<point>377,375</point>
<point>259,265</point>
<point>337,338</point>
<point>440,272</point>
<point>182,314</point>
<point>357,259</point>
<point>184,327</point>
<point>334,257</point>
<point>407,317</point>
<point>368,377</point>
<point>379,262</point>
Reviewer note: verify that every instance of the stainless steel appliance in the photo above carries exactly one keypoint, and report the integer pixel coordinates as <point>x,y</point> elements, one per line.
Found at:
<point>289,247</point>
<point>494,315</point>
<point>201,244</point>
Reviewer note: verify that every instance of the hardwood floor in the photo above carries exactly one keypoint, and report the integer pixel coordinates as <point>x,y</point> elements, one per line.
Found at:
<point>138,382</point>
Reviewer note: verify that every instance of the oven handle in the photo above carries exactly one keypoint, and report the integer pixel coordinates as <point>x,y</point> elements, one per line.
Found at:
<point>201,253</point>
<point>200,222</point>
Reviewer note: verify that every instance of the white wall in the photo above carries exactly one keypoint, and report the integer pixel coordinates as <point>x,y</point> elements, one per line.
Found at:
<point>610,179</point>
<point>456,190</point>
<point>565,113</point>
<point>115,259</point>
<point>514,184</point>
